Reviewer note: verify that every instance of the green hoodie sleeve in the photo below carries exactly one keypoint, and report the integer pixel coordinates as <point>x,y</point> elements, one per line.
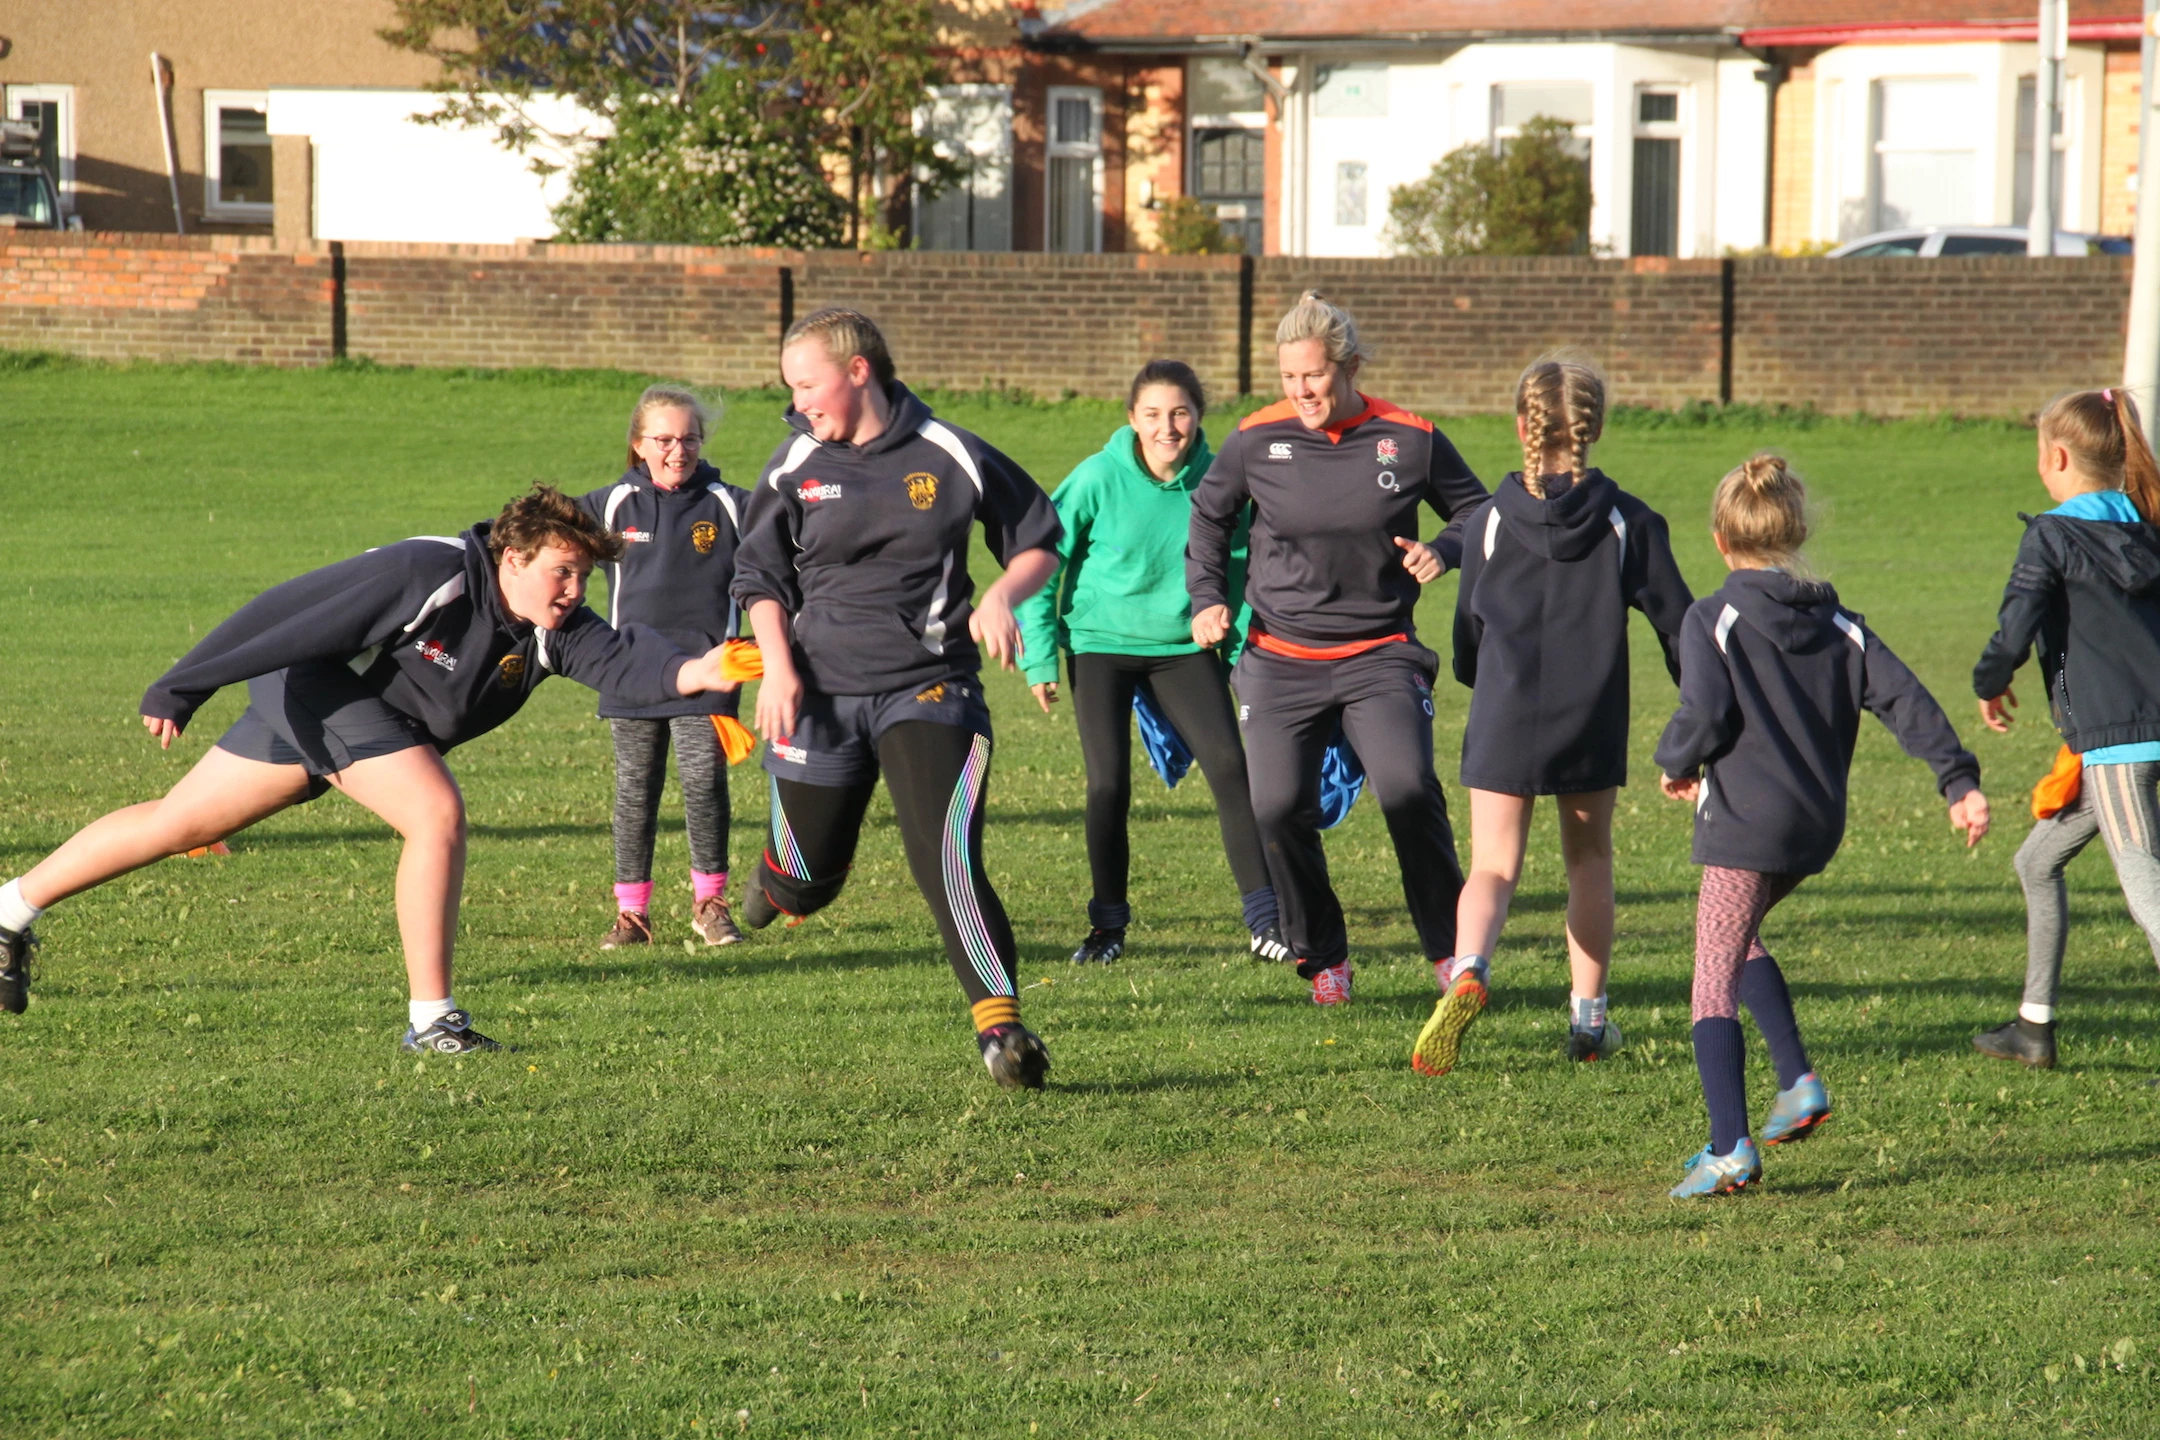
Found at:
<point>1042,614</point>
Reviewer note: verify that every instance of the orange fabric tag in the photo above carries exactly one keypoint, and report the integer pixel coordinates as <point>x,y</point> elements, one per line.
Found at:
<point>736,742</point>
<point>2058,789</point>
<point>741,660</point>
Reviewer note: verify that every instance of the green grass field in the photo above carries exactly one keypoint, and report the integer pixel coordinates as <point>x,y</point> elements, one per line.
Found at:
<point>769,1190</point>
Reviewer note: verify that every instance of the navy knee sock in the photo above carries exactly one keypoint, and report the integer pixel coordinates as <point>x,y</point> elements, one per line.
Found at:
<point>1109,916</point>
<point>1762,990</point>
<point>1720,1059</point>
<point>1261,910</point>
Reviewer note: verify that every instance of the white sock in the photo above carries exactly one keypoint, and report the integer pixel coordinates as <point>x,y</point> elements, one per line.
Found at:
<point>1464,964</point>
<point>2038,1014</point>
<point>426,1012</point>
<point>16,913</point>
<point>1586,1014</point>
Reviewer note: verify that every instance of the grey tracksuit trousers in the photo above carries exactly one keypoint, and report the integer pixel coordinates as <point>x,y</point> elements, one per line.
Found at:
<point>2119,803</point>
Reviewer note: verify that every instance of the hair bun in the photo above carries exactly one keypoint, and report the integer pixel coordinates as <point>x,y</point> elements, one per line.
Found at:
<point>1764,472</point>
<point>1312,295</point>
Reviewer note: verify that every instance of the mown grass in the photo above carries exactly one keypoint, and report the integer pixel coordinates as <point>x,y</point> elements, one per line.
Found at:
<point>770,1191</point>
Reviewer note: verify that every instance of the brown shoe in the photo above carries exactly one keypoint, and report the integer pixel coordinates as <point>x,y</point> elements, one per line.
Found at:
<point>631,928</point>
<point>712,921</point>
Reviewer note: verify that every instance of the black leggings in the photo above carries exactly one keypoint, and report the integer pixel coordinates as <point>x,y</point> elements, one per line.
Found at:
<point>1193,693</point>
<point>938,776</point>
<point>641,750</point>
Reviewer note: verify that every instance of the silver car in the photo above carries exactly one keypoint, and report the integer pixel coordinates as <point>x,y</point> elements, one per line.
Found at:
<point>1932,240</point>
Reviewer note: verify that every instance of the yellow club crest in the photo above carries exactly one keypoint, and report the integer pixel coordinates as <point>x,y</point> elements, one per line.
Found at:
<point>510,671</point>
<point>703,534</point>
<point>922,490</point>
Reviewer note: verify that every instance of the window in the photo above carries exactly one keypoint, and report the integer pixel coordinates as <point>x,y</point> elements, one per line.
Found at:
<point>1074,171</point>
<point>1350,193</point>
<point>1351,91</point>
<point>973,124</point>
<point>1925,163</point>
<point>1654,224</point>
<point>1230,176</point>
<point>1221,91</point>
<point>1903,245</point>
<point>236,156</point>
<point>53,108</point>
<point>1982,245</point>
<point>2021,183</point>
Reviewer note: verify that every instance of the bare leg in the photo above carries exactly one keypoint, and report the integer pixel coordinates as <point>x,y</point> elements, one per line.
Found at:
<point>222,795</point>
<point>1586,846</point>
<point>1499,831</point>
<point>413,791</point>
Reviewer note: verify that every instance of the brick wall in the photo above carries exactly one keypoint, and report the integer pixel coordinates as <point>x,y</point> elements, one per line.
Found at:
<point>709,315</point>
<point>153,297</point>
<point>1893,337</point>
<point>1045,323</point>
<point>1978,335</point>
<point>1452,335</point>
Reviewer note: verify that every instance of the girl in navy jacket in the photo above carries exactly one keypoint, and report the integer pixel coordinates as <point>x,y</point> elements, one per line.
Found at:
<point>360,676</point>
<point>1773,676</point>
<point>680,524</point>
<point>1551,566</point>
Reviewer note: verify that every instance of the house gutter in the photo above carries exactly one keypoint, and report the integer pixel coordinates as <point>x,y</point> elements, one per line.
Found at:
<point>1818,37</point>
<point>1237,46</point>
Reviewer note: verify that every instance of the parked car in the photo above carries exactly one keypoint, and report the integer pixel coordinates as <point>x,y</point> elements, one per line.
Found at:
<point>1935,240</point>
<point>28,199</point>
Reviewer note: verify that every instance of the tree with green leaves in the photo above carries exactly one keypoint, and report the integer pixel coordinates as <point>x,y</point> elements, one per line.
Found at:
<point>720,168</point>
<point>1527,196</point>
<point>1185,226</point>
<point>850,74</point>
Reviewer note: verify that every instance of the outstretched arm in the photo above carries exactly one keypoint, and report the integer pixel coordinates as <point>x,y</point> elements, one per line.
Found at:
<point>991,622</point>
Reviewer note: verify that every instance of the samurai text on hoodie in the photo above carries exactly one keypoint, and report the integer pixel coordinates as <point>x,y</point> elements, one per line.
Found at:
<point>866,547</point>
<point>1773,677</point>
<point>1541,631</point>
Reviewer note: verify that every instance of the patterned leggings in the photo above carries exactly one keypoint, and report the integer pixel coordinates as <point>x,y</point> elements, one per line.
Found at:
<point>1727,918</point>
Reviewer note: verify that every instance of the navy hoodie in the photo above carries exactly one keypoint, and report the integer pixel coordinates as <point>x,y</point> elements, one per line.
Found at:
<point>421,622</point>
<point>2088,591</point>
<point>678,562</point>
<point>1541,631</point>
<point>1773,677</point>
<point>866,547</point>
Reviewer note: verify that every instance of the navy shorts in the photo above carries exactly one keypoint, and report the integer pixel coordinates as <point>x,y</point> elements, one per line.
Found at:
<point>319,717</point>
<point>836,736</point>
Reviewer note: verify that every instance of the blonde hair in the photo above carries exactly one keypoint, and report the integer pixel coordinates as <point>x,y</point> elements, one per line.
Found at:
<point>1560,402</point>
<point>663,397</point>
<point>1314,317</point>
<point>1760,511</point>
<point>845,335</point>
<point>2100,429</point>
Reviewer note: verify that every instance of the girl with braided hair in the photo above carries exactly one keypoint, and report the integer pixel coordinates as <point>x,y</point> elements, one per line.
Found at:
<point>1551,566</point>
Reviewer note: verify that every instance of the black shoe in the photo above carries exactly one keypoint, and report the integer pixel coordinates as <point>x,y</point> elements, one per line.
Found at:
<point>1015,1056</point>
<point>1101,946</point>
<point>758,911</point>
<point>15,948</point>
<point>451,1035</point>
<point>2022,1041</point>
<point>1269,944</point>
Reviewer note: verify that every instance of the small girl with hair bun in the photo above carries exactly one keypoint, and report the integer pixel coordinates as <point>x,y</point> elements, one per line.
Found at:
<point>2086,586</point>
<point>1773,676</point>
<point>1551,566</point>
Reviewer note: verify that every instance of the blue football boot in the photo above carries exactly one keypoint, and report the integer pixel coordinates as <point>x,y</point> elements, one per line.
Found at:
<point>1796,1112</point>
<point>1720,1174</point>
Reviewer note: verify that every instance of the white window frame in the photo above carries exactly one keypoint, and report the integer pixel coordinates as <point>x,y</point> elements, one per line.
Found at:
<point>1877,147</point>
<point>64,148</point>
<point>1678,128</point>
<point>215,206</point>
<point>1053,149</point>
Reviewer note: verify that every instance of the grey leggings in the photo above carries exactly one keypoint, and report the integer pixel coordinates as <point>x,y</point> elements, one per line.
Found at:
<point>641,750</point>
<point>2114,801</point>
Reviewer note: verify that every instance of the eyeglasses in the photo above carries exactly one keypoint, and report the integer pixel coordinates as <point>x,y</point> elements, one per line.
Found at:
<point>672,442</point>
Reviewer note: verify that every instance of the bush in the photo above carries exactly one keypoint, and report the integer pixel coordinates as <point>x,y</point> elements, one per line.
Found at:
<point>1531,197</point>
<point>730,167</point>
<point>1185,226</point>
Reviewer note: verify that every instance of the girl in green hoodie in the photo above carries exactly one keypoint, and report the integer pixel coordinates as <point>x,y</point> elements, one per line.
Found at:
<point>1118,608</point>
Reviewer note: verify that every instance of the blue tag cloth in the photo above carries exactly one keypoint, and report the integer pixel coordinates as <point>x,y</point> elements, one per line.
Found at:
<point>1342,780</point>
<point>1166,749</point>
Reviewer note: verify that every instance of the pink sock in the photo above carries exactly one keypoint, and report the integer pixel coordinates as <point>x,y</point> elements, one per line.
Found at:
<point>634,895</point>
<point>703,886</point>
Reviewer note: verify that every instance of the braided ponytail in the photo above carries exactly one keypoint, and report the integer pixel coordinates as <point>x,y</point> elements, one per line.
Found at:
<point>1561,404</point>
